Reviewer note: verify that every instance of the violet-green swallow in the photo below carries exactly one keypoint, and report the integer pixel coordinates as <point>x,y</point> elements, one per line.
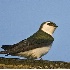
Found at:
<point>34,46</point>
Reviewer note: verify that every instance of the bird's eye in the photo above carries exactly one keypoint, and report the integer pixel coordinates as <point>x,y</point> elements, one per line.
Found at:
<point>49,24</point>
<point>52,24</point>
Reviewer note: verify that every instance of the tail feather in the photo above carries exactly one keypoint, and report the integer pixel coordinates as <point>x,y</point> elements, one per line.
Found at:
<point>6,47</point>
<point>3,52</point>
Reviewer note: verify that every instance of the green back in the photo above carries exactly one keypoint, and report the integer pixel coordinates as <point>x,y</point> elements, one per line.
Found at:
<point>41,37</point>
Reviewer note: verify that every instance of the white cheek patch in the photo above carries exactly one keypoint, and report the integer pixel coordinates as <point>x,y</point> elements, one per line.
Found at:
<point>48,29</point>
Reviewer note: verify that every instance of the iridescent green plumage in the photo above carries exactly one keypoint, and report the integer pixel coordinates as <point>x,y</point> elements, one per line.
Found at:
<point>41,37</point>
<point>37,40</point>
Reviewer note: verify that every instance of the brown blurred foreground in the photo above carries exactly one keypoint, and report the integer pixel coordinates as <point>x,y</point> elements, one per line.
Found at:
<point>15,63</point>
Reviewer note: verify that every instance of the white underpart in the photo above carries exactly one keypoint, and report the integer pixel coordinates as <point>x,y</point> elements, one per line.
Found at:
<point>35,53</point>
<point>48,29</point>
<point>38,52</point>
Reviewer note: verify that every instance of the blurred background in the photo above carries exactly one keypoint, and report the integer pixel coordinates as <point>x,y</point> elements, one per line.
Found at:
<point>21,18</point>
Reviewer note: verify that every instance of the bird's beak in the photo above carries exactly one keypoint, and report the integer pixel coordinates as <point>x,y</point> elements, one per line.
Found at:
<point>56,26</point>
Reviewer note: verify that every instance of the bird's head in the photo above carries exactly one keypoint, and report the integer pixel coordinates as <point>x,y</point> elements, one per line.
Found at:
<point>48,27</point>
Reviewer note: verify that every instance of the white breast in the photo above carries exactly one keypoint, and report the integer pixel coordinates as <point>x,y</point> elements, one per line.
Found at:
<point>35,53</point>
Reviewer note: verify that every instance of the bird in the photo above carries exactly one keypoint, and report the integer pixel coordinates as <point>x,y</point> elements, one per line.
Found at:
<point>35,46</point>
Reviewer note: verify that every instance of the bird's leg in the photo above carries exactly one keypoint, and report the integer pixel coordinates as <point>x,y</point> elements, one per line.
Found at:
<point>7,54</point>
<point>41,58</point>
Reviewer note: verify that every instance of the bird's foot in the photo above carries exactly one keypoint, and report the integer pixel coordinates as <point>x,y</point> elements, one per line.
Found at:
<point>41,59</point>
<point>7,54</point>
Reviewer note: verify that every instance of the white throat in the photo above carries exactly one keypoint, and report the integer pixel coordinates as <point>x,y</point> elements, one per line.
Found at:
<point>49,29</point>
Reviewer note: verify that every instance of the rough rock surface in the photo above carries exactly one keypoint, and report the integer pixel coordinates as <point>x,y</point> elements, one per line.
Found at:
<point>15,63</point>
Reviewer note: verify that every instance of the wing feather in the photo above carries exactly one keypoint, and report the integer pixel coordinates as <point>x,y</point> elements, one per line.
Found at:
<point>35,41</point>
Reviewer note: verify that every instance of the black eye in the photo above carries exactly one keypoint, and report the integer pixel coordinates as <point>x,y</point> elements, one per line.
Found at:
<point>50,24</point>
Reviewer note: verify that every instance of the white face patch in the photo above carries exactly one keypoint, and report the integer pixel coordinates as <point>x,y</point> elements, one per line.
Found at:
<point>48,29</point>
